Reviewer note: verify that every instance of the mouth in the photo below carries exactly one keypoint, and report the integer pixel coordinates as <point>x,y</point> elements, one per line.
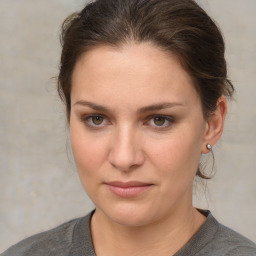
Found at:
<point>128,189</point>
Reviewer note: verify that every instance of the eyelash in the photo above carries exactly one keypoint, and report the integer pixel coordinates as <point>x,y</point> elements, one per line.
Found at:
<point>168,121</point>
<point>87,120</point>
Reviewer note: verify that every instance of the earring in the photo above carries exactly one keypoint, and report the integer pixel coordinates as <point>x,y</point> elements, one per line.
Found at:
<point>208,146</point>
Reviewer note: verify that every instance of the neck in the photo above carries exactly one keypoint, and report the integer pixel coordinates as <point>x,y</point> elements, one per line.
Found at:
<point>164,237</point>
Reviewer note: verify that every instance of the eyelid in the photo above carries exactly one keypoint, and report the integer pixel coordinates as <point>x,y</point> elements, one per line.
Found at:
<point>169,119</point>
<point>85,121</point>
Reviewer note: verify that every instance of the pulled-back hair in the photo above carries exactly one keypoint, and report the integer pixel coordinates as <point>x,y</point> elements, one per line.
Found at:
<point>179,27</point>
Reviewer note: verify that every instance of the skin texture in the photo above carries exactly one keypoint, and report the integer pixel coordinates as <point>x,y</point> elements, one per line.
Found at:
<point>116,135</point>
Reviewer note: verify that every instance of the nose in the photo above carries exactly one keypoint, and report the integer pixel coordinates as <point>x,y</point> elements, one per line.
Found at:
<point>126,150</point>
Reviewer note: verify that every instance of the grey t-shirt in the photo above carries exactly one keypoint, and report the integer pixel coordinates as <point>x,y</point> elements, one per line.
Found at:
<point>74,239</point>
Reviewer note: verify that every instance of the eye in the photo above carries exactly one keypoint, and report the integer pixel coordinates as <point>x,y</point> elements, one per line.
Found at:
<point>96,120</point>
<point>160,121</point>
<point>93,120</point>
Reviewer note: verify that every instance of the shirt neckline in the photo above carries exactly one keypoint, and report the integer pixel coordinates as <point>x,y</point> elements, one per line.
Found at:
<point>83,245</point>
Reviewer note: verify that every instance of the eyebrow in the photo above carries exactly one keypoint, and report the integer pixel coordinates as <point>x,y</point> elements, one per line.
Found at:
<point>149,108</point>
<point>159,106</point>
<point>92,106</point>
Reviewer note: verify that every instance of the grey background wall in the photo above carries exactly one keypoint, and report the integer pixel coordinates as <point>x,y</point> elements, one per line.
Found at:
<point>39,187</point>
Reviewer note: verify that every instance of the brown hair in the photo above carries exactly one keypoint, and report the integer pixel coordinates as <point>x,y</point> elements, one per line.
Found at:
<point>180,27</point>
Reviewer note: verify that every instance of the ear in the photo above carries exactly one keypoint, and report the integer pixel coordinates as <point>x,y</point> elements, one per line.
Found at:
<point>215,124</point>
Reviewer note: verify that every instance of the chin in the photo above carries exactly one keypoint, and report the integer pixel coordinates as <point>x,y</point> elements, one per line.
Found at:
<point>129,215</point>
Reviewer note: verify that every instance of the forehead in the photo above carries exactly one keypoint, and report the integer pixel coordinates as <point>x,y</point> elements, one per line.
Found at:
<point>137,72</point>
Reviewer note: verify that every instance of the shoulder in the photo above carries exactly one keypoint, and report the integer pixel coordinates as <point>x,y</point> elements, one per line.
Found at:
<point>225,241</point>
<point>233,243</point>
<point>215,239</point>
<point>57,241</point>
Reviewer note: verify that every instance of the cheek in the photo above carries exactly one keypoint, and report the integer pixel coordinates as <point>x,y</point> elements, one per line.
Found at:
<point>175,156</point>
<point>89,155</point>
<point>89,152</point>
<point>175,166</point>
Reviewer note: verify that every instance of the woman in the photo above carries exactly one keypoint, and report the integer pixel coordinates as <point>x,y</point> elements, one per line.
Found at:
<point>145,87</point>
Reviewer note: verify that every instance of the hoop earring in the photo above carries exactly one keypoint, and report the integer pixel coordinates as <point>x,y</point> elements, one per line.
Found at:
<point>208,146</point>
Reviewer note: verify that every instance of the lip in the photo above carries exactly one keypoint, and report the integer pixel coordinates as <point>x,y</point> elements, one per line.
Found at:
<point>128,189</point>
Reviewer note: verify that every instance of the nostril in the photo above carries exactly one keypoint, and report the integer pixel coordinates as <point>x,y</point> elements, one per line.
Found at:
<point>126,160</point>
<point>125,152</point>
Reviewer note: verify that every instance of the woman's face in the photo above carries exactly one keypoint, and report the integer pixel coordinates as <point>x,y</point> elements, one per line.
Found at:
<point>137,132</point>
